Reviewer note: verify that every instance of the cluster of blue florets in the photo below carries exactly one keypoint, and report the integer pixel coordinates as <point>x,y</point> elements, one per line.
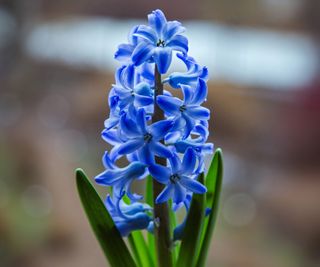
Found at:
<point>181,137</point>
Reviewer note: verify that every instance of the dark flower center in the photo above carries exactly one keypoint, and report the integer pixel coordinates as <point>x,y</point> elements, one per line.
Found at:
<point>174,178</point>
<point>161,43</point>
<point>182,108</point>
<point>147,137</point>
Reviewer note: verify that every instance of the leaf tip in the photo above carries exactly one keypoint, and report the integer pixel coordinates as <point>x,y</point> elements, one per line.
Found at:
<point>218,151</point>
<point>80,176</point>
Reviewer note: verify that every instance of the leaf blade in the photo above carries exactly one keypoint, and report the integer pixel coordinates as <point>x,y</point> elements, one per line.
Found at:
<point>138,243</point>
<point>102,224</point>
<point>216,171</point>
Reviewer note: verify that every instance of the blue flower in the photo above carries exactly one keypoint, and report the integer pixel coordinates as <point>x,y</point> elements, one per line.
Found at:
<point>121,178</point>
<point>143,138</point>
<point>187,112</point>
<point>128,92</point>
<point>158,40</point>
<point>124,51</point>
<point>128,217</point>
<point>179,179</point>
<point>195,71</point>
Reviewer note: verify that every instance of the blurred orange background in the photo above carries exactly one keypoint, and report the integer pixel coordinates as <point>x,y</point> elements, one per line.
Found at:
<point>56,68</point>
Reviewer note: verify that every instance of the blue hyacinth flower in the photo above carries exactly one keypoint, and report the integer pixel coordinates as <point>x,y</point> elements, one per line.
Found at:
<point>128,217</point>
<point>121,178</point>
<point>194,72</point>
<point>179,179</point>
<point>130,93</point>
<point>124,51</point>
<point>144,138</point>
<point>187,112</point>
<point>158,40</point>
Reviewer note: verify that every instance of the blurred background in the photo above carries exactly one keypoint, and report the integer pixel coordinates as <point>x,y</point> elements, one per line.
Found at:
<point>56,68</point>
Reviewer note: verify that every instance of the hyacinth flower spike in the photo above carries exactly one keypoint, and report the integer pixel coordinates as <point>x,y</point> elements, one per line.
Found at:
<point>159,140</point>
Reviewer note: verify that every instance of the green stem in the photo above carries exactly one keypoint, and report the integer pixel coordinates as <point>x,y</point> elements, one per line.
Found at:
<point>161,211</point>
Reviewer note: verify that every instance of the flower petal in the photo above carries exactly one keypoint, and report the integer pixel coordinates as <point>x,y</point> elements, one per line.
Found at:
<point>107,163</point>
<point>131,38</point>
<point>189,125</point>
<point>121,92</point>
<point>111,122</point>
<point>124,102</point>
<point>143,88</point>
<point>128,76</point>
<point>160,150</point>
<point>175,163</point>
<point>179,123</point>
<point>157,21</point>
<point>200,92</point>
<point>172,28</point>
<point>128,127</point>
<point>142,53</point>
<point>142,101</point>
<point>130,146</point>
<point>187,93</point>
<point>179,43</point>
<point>189,161</point>
<point>114,155</point>
<point>198,112</point>
<point>124,52</point>
<point>169,104</point>
<point>193,185</point>
<point>135,169</point>
<point>179,194</point>
<point>202,131</point>
<point>172,137</point>
<point>147,33</point>
<point>109,177</point>
<point>111,137</point>
<point>145,155</point>
<point>159,129</point>
<point>147,71</point>
<point>141,120</point>
<point>162,57</point>
<point>165,194</point>
<point>160,173</point>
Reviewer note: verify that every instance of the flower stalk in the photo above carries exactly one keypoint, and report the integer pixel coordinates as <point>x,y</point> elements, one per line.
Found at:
<point>161,210</point>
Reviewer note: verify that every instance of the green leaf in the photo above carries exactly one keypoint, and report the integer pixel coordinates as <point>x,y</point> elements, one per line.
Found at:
<point>191,235</point>
<point>102,224</point>
<point>140,249</point>
<point>151,239</point>
<point>214,184</point>
<point>173,224</point>
<point>214,171</point>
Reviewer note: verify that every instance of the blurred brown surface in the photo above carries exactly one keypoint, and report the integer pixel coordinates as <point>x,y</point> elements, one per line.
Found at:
<point>51,116</point>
